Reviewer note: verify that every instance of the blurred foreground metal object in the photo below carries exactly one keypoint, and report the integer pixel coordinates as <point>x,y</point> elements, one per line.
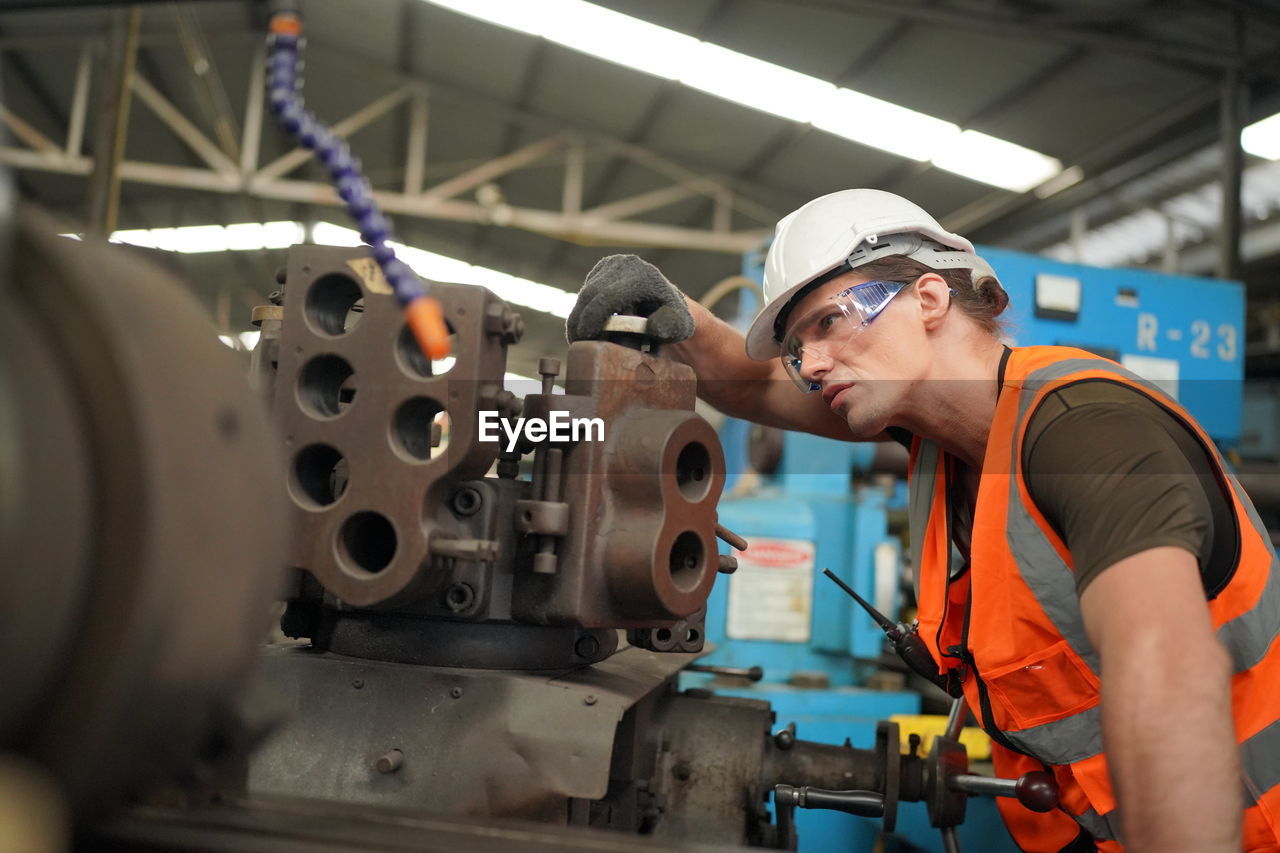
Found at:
<point>140,524</point>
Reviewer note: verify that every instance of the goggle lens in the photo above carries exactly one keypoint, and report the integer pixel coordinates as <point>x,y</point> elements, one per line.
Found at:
<point>827,329</point>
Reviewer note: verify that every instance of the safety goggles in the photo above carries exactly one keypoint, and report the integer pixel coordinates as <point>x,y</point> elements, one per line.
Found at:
<point>827,328</point>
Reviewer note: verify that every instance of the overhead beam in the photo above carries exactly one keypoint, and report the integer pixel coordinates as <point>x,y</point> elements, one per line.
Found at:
<point>79,104</point>
<point>1231,121</point>
<point>113,124</point>
<point>185,129</point>
<point>485,172</point>
<point>640,203</point>
<point>1098,165</point>
<point>251,142</point>
<point>28,134</point>
<point>576,229</point>
<point>210,92</point>
<point>416,144</point>
<point>366,115</point>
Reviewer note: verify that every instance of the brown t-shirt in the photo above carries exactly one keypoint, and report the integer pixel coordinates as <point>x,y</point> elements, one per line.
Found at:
<point>1115,473</point>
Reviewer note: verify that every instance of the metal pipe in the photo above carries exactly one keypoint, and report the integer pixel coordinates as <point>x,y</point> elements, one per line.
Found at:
<point>986,785</point>
<point>957,718</point>
<point>824,765</point>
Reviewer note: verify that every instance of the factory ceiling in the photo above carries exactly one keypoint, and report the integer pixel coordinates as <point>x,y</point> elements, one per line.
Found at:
<point>521,154</point>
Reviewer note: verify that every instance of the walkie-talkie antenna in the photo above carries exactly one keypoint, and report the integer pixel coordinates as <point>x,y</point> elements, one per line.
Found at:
<point>883,621</point>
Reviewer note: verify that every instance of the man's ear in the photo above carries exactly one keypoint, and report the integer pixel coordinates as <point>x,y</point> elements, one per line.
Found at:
<point>934,295</point>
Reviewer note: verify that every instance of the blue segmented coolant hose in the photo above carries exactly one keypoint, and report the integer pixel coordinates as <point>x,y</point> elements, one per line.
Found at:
<point>422,312</point>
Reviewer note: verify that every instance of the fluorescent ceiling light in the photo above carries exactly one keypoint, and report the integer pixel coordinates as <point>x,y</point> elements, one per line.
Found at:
<point>1262,138</point>
<point>192,239</point>
<point>634,43</point>
<point>887,126</point>
<point>995,161</point>
<point>429,265</point>
<point>251,236</point>
<point>760,85</point>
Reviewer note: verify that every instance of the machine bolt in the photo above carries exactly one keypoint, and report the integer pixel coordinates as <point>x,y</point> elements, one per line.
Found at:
<point>455,692</point>
<point>467,501</point>
<point>682,771</point>
<point>549,369</point>
<point>357,683</point>
<point>391,761</point>
<point>786,738</point>
<point>587,647</point>
<point>589,699</point>
<point>459,597</point>
<point>514,331</point>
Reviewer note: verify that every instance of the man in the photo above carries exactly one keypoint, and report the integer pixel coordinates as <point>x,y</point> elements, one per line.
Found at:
<point>1087,571</point>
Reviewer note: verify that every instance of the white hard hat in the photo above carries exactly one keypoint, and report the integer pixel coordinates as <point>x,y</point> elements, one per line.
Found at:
<point>843,230</point>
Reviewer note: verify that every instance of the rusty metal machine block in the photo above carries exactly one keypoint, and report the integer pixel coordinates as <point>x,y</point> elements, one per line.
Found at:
<point>644,547</point>
<point>360,409</point>
<point>400,540</point>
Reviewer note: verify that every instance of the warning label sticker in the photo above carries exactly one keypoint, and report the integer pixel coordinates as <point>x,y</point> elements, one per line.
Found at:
<point>771,593</point>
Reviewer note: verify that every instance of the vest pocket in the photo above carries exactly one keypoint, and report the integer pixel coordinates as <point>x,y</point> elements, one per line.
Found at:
<point>1042,687</point>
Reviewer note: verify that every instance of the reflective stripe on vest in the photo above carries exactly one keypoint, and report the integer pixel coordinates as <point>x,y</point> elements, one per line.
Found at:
<point>1249,635</point>
<point>1103,827</point>
<point>1259,755</point>
<point>922,483</point>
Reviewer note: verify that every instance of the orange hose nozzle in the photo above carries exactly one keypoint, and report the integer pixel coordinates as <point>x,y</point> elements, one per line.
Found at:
<point>286,24</point>
<point>426,322</point>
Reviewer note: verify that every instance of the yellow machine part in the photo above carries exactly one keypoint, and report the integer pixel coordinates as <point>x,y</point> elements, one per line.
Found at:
<point>975,740</point>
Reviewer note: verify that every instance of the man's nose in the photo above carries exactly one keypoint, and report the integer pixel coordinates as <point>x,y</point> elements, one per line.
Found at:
<point>814,365</point>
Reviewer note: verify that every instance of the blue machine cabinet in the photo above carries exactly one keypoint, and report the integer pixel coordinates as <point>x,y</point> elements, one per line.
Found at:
<point>1185,332</point>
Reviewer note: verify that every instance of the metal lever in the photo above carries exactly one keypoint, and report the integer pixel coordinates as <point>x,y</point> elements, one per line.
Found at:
<point>734,541</point>
<point>860,803</point>
<point>1036,790</point>
<point>786,799</point>
<point>755,673</point>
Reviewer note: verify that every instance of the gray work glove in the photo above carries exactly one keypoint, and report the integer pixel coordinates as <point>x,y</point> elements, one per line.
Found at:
<point>624,284</point>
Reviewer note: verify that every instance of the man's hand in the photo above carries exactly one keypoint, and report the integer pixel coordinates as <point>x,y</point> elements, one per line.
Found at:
<point>1166,705</point>
<point>625,284</point>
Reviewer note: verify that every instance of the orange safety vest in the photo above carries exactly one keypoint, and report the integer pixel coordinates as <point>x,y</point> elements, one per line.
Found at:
<point>1011,628</point>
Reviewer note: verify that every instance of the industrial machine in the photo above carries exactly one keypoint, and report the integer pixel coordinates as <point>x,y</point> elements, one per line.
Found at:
<point>463,653</point>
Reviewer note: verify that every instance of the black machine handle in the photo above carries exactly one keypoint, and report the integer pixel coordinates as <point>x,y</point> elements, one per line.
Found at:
<point>754,673</point>
<point>787,798</point>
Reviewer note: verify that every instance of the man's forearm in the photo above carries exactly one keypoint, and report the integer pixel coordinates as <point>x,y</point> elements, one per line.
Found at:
<point>1166,705</point>
<point>1173,754</point>
<point>757,391</point>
